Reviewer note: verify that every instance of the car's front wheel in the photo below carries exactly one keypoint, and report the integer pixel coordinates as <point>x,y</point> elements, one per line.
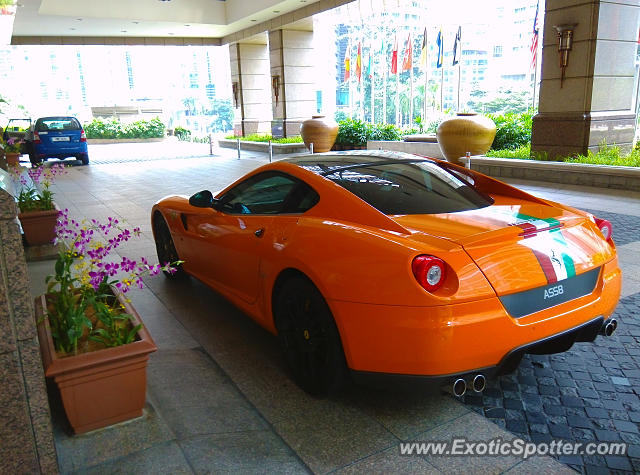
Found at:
<point>309,338</point>
<point>165,248</point>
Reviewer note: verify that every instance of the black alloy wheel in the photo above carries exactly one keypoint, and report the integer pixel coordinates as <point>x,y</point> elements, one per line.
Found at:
<point>165,248</point>
<point>309,338</point>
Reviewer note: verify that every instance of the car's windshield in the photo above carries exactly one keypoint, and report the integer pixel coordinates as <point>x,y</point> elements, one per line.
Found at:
<point>57,123</point>
<point>409,187</point>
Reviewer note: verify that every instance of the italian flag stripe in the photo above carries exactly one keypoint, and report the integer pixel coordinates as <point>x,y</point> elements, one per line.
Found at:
<point>547,266</point>
<point>552,254</point>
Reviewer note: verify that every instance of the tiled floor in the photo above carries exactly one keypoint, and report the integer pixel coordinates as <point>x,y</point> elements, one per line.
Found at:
<point>219,397</point>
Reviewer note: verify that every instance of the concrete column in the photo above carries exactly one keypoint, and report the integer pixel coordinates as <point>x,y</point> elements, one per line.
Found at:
<point>292,63</point>
<point>595,101</point>
<point>251,84</point>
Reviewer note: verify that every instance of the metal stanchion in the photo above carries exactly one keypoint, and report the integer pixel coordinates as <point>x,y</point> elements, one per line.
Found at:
<point>210,145</point>
<point>311,148</point>
<point>467,162</point>
<point>270,151</point>
<point>238,145</point>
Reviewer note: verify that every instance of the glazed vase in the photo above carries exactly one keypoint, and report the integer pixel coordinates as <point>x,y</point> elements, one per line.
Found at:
<point>102,387</point>
<point>39,227</point>
<point>319,131</point>
<point>466,132</point>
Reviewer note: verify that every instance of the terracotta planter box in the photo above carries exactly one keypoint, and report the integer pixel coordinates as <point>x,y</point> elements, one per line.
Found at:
<point>39,227</point>
<point>102,387</point>
<point>13,158</point>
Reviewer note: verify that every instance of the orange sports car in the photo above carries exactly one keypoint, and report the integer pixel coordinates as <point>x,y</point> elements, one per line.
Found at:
<point>380,265</point>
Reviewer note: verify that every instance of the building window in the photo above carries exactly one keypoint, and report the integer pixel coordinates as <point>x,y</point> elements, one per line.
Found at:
<point>497,51</point>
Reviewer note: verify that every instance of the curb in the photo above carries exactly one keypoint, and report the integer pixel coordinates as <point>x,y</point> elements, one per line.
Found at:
<point>112,141</point>
<point>278,148</point>
<point>603,176</point>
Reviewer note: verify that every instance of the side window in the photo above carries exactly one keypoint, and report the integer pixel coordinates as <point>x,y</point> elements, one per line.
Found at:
<point>267,193</point>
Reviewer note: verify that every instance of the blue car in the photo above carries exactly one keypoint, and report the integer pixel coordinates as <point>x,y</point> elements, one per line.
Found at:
<point>57,137</point>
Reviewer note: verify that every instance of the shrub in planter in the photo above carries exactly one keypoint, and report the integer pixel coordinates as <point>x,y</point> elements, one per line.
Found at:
<point>92,341</point>
<point>182,133</point>
<point>354,133</point>
<point>512,130</point>
<point>113,129</point>
<point>38,213</point>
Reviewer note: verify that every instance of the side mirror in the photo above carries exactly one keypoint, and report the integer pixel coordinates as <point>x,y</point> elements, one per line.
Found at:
<point>203,199</point>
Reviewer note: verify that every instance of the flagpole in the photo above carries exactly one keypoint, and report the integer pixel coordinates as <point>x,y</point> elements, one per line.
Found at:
<point>411,91</point>
<point>384,90</point>
<point>426,75</point>
<point>459,76</point>
<point>373,84</point>
<point>442,88</point>
<point>535,80</point>
<point>397,98</point>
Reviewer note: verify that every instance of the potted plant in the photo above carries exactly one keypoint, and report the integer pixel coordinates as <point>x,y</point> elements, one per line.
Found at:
<point>93,343</point>
<point>11,149</point>
<point>38,213</point>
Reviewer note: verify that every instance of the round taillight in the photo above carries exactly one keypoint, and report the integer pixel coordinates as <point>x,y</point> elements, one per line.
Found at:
<point>429,271</point>
<point>605,228</point>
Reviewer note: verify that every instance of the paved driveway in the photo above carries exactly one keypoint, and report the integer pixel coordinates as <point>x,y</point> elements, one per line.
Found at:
<point>220,398</point>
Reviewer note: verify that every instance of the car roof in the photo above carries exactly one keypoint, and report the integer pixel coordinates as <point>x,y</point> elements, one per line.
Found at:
<point>323,163</point>
<point>57,117</point>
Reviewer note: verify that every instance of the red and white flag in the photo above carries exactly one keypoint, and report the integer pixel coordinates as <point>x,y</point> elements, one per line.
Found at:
<point>394,56</point>
<point>534,40</point>
<point>407,60</point>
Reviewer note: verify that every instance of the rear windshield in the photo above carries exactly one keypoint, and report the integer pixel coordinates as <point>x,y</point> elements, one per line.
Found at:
<point>409,188</point>
<point>57,123</point>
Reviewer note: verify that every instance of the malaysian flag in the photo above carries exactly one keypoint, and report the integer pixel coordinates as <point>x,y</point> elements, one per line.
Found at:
<point>534,40</point>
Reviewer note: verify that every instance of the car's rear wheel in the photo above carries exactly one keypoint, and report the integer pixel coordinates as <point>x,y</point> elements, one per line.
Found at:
<point>309,338</point>
<point>165,248</point>
<point>84,158</point>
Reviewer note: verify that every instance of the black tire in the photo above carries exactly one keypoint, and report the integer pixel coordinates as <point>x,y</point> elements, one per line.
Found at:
<point>309,338</point>
<point>32,156</point>
<point>165,248</point>
<point>84,158</point>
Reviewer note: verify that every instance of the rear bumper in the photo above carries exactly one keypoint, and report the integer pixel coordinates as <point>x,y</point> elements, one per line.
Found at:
<point>439,343</point>
<point>65,151</point>
<point>587,332</point>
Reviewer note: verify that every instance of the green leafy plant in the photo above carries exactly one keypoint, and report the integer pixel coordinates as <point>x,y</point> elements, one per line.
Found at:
<point>182,133</point>
<point>354,132</point>
<point>81,304</point>
<point>12,145</point>
<point>114,129</point>
<point>33,186</point>
<point>523,152</point>
<point>512,130</point>
<point>266,138</point>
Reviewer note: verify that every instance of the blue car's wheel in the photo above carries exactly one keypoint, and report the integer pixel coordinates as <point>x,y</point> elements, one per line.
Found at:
<point>84,158</point>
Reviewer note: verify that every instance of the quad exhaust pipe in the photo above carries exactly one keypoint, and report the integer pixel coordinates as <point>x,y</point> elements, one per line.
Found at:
<point>609,327</point>
<point>459,386</point>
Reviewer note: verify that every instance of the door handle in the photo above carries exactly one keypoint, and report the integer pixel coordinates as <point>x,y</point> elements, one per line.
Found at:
<point>259,232</point>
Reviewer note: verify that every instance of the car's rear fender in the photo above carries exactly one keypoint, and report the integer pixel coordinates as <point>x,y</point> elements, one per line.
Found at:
<point>359,264</point>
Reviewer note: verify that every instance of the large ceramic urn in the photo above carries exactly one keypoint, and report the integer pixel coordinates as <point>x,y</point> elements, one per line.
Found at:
<point>466,132</point>
<point>319,131</point>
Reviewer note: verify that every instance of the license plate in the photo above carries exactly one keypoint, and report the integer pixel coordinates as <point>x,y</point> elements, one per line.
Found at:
<point>59,139</point>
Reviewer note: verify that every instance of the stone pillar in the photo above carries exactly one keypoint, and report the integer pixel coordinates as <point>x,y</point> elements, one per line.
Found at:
<point>595,102</point>
<point>26,434</point>
<point>251,85</point>
<point>292,64</point>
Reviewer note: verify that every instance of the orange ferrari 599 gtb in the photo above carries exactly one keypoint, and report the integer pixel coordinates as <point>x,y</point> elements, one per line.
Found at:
<point>378,265</point>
